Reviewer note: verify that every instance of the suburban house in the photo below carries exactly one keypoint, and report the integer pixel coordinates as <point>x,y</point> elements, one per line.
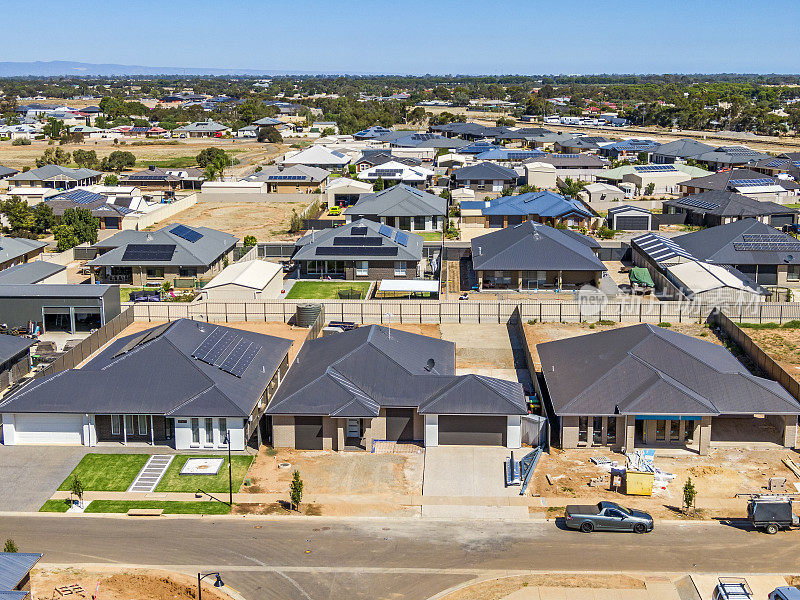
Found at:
<point>718,207</point>
<point>631,149</point>
<point>318,156</point>
<point>297,179</point>
<point>200,129</point>
<point>186,384</point>
<point>547,140</point>
<point>426,140</point>
<point>36,271</point>
<point>583,167</point>
<point>468,131</point>
<point>579,144</point>
<point>109,215</point>
<point>6,172</point>
<point>58,307</point>
<point>665,178</point>
<point>395,172</point>
<point>765,256</point>
<point>502,155</point>
<point>152,257</point>
<point>361,249</point>
<point>531,256</point>
<point>157,178</point>
<point>542,207</point>
<point>376,158</point>
<point>15,359</point>
<point>786,163</point>
<point>746,182</point>
<point>726,157</point>
<point>601,192</point>
<point>15,574</point>
<point>645,386</point>
<point>485,177</point>
<point>630,218</point>
<point>15,251</point>
<point>403,207</point>
<point>680,151</point>
<point>344,191</point>
<point>348,390</point>
<point>55,177</point>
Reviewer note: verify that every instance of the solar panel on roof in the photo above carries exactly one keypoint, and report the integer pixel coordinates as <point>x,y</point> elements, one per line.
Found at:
<point>697,203</point>
<point>767,246</point>
<point>359,231</point>
<point>207,344</point>
<point>778,162</point>
<point>751,182</point>
<point>244,354</point>
<point>654,168</point>
<point>764,237</point>
<point>350,240</point>
<point>356,251</point>
<point>147,336</point>
<point>567,155</point>
<point>385,230</point>
<point>219,349</point>
<point>401,238</point>
<point>148,252</point>
<point>190,235</point>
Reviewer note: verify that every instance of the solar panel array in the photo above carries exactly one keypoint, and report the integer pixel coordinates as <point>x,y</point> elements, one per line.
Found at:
<point>385,230</point>
<point>148,252</point>
<point>349,240</point>
<point>359,231</point>
<point>287,177</point>
<point>337,154</point>
<point>143,339</point>
<point>424,136</point>
<point>778,162</point>
<point>82,197</point>
<point>228,351</point>
<point>401,238</point>
<point>356,251</point>
<point>764,237</point>
<point>190,235</point>
<point>751,182</point>
<point>767,247</point>
<point>567,155</point>
<point>738,151</point>
<point>654,168</point>
<point>388,172</point>
<point>697,203</point>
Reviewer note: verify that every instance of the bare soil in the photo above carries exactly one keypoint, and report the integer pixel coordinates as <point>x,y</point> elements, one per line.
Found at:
<point>781,344</point>
<point>495,589</point>
<point>428,329</point>
<point>268,221</point>
<point>121,585</point>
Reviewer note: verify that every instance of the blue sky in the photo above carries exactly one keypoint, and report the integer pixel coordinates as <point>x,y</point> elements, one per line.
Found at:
<point>417,36</point>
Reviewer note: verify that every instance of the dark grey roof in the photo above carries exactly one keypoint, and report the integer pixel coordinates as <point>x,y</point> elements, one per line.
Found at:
<point>209,247</point>
<point>379,157</point>
<point>97,204</point>
<point>647,370</point>
<point>716,244</point>
<point>354,374</point>
<point>720,181</point>
<point>14,566</point>
<point>6,171</point>
<point>333,244</point>
<point>55,290</point>
<point>12,248</point>
<point>684,148</point>
<point>29,272</point>
<point>427,140</point>
<point>486,171</point>
<point>54,171</point>
<point>732,155</point>
<point>628,208</point>
<point>728,204</point>
<point>398,201</point>
<point>12,346</point>
<point>522,133</point>
<point>158,376</point>
<point>531,246</point>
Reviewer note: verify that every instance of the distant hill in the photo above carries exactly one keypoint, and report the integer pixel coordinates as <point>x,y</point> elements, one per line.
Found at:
<point>57,68</point>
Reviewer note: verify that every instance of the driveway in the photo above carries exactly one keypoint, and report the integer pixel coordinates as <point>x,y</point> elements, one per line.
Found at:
<point>30,474</point>
<point>469,482</point>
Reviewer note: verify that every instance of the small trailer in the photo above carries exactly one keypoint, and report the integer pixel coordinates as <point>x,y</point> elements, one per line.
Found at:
<point>772,514</point>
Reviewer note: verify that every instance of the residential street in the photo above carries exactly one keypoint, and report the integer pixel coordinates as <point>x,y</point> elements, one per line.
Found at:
<point>381,558</point>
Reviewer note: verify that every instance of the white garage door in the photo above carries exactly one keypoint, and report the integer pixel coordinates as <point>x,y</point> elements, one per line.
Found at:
<point>48,429</point>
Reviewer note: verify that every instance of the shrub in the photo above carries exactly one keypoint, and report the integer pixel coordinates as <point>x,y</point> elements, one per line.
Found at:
<point>21,142</point>
<point>664,324</point>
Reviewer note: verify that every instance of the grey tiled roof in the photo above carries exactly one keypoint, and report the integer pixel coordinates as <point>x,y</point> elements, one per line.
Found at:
<point>12,248</point>
<point>315,245</point>
<point>29,272</point>
<point>51,171</point>
<point>399,201</point>
<point>14,566</point>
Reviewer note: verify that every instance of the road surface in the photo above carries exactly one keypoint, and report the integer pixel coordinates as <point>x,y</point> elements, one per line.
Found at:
<point>382,558</point>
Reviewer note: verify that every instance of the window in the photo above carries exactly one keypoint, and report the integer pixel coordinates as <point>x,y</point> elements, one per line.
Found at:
<point>114,424</point>
<point>435,222</point>
<point>155,272</point>
<point>195,431</point>
<point>793,273</point>
<point>188,271</point>
<point>169,426</point>
<point>614,514</point>
<point>419,223</point>
<point>223,430</point>
<point>688,431</point>
<point>362,268</point>
<point>583,428</point>
<point>597,430</point>
<point>674,435</point>
<point>209,430</point>
<point>405,223</point>
<point>611,430</point>
<point>661,430</point>
<point>142,424</point>
<point>129,425</point>
<point>399,268</point>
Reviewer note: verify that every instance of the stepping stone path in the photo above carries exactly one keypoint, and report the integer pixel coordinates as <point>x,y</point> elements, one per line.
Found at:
<point>152,472</point>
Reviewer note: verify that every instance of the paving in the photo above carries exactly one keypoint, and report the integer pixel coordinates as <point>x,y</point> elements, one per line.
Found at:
<point>29,474</point>
<point>457,473</point>
<point>151,473</point>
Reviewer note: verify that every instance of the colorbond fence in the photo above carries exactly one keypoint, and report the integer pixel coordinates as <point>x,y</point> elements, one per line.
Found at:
<point>431,311</point>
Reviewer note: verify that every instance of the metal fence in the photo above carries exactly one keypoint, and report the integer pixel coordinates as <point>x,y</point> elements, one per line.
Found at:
<point>432,311</point>
<point>88,346</point>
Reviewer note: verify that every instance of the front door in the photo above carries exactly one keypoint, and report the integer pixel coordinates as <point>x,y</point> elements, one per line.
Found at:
<point>354,428</point>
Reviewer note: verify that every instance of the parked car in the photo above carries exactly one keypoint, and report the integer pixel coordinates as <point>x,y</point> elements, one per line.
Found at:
<point>607,516</point>
<point>732,588</point>
<point>335,211</point>
<point>771,515</point>
<point>787,592</point>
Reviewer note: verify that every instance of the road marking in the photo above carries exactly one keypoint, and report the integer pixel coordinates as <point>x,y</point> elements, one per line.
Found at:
<point>294,583</point>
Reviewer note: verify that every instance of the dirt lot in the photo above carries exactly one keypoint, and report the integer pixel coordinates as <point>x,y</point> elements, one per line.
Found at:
<point>338,473</point>
<point>429,329</point>
<point>296,334</point>
<point>115,585</point>
<point>495,589</point>
<point>267,221</point>
<point>781,344</point>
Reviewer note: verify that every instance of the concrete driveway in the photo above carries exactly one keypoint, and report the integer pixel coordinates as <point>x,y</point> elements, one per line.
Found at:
<point>468,482</point>
<point>31,474</point>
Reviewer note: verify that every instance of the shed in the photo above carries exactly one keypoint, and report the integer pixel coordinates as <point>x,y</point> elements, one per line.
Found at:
<point>541,175</point>
<point>707,283</point>
<point>234,187</point>
<point>248,280</point>
<point>630,218</point>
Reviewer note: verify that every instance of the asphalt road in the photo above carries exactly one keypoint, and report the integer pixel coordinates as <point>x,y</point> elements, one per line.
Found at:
<point>382,558</point>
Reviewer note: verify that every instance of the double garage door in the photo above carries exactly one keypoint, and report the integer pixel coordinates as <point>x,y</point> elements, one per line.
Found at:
<point>48,429</point>
<point>469,430</point>
<point>632,223</point>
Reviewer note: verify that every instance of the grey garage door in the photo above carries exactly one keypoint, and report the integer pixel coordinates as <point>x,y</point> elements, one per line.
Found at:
<point>781,220</point>
<point>463,430</point>
<point>496,221</point>
<point>308,433</point>
<point>632,223</point>
<point>400,424</point>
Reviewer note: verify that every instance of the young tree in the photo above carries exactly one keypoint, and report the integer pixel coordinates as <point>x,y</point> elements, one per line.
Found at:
<point>53,128</point>
<point>76,489</point>
<point>249,241</point>
<point>296,490</point>
<point>10,546</point>
<point>689,494</point>
<point>651,187</point>
<point>378,185</point>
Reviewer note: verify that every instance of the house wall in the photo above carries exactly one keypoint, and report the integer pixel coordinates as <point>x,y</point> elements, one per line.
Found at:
<point>21,259</point>
<point>183,434</point>
<point>377,270</point>
<point>283,431</point>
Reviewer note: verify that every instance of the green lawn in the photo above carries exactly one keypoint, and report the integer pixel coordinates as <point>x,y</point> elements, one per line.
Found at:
<point>169,508</point>
<point>430,236</point>
<point>54,506</point>
<point>324,290</point>
<point>173,481</point>
<point>107,472</point>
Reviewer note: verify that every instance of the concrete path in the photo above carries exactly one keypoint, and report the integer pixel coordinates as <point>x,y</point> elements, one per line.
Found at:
<point>151,473</point>
<point>29,474</point>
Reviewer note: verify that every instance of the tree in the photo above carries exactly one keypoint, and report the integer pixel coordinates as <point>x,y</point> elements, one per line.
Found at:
<point>43,218</point>
<point>53,156</point>
<point>296,490</point>
<point>379,185</point>
<point>295,222</point>
<point>210,173</point>
<point>85,158</point>
<point>571,187</point>
<point>53,128</point>
<point>689,494</point>
<point>76,488</point>
<point>269,134</point>
<point>445,194</point>
<point>213,156</point>
<point>327,131</point>
<point>651,187</point>
<point>416,115</point>
<point>18,214</point>
<point>76,227</point>
<point>118,160</point>
<point>250,241</point>
<point>111,180</point>
<point>10,546</point>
